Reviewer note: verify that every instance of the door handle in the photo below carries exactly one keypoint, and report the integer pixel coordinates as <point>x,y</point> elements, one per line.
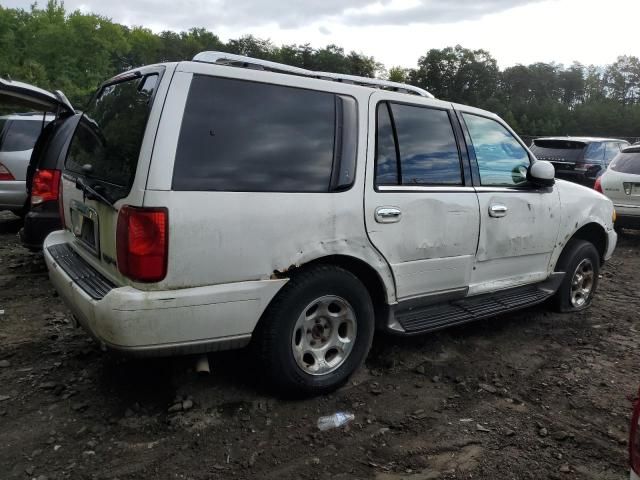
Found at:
<point>388,214</point>
<point>498,210</point>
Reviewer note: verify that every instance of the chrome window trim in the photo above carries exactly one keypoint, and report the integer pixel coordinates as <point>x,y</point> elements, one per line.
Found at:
<point>411,188</point>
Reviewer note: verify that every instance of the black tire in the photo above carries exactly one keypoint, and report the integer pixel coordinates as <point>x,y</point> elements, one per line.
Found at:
<point>275,333</point>
<point>575,253</point>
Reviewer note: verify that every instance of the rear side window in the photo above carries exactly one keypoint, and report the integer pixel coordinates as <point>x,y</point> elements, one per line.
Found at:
<point>627,163</point>
<point>595,152</point>
<point>238,135</point>
<point>19,135</point>
<point>424,150</point>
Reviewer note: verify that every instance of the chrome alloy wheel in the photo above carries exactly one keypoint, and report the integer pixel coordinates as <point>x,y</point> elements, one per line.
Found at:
<point>582,283</point>
<point>324,335</point>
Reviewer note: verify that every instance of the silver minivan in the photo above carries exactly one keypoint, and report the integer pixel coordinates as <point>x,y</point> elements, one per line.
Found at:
<point>226,201</point>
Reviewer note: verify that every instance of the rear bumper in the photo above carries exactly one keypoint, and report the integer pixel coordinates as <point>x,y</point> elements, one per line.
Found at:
<point>158,323</point>
<point>39,223</point>
<point>627,215</point>
<point>13,194</point>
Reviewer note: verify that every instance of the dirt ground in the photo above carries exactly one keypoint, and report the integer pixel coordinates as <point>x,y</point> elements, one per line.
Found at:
<point>530,395</point>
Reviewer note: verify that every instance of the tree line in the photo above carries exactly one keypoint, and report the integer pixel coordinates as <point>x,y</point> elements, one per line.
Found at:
<point>75,52</point>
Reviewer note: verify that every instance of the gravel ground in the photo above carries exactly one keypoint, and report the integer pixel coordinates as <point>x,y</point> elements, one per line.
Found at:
<point>528,395</point>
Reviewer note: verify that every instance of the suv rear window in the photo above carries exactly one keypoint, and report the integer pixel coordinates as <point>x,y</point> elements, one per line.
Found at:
<point>110,134</point>
<point>17,135</point>
<point>238,135</point>
<point>558,150</point>
<point>627,163</point>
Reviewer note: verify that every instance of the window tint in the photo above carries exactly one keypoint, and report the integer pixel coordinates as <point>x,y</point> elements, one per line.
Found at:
<point>595,152</point>
<point>19,135</point>
<point>627,163</point>
<point>246,136</point>
<point>386,157</point>
<point>424,140</point>
<point>110,134</point>
<point>502,161</point>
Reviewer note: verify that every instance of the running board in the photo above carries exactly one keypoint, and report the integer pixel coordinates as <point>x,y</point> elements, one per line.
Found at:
<point>427,318</point>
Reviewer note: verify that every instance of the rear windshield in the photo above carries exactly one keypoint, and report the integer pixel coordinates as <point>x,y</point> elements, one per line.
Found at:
<point>558,150</point>
<point>108,138</point>
<point>626,163</point>
<point>17,135</point>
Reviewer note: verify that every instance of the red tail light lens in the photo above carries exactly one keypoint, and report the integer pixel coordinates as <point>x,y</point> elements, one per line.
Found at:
<point>142,241</point>
<point>598,185</point>
<point>634,439</point>
<point>45,186</point>
<point>5,174</point>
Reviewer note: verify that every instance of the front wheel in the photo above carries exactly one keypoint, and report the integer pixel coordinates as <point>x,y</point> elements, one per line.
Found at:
<point>581,262</point>
<point>316,332</point>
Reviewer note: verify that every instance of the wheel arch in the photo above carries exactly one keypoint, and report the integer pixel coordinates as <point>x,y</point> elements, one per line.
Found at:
<point>591,232</point>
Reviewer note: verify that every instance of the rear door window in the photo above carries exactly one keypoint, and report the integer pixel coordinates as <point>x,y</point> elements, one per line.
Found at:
<point>416,146</point>
<point>557,150</point>
<point>238,135</point>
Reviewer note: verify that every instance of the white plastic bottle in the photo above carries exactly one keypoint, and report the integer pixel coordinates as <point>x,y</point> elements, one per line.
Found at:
<point>336,420</point>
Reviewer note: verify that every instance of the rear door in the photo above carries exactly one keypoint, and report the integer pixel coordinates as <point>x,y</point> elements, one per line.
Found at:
<point>421,211</point>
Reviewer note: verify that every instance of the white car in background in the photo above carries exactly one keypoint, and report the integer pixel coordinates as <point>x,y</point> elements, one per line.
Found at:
<point>621,183</point>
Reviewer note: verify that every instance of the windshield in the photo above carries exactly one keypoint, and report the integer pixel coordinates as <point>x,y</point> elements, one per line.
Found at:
<point>106,144</point>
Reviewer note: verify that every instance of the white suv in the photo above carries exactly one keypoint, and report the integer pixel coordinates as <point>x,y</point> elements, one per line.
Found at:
<point>213,203</point>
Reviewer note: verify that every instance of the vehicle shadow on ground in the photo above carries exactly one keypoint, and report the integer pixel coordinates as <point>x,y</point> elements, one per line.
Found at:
<point>9,223</point>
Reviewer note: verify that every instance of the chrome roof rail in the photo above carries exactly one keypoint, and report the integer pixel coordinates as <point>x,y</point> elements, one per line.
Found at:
<point>230,59</point>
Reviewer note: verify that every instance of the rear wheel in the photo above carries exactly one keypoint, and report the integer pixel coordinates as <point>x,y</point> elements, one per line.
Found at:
<point>317,331</point>
<point>581,262</point>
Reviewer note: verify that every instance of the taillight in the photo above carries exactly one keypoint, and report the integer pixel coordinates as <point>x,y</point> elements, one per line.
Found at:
<point>142,242</point>
<point>45,186</point>
<point>634,440</point>
<point>5,174</point>
<point>598,185</point>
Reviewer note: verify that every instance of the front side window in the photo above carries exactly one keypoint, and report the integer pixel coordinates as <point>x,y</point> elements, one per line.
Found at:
<point>502,161</point>
<point>423,150</point>
<point>238,135</point>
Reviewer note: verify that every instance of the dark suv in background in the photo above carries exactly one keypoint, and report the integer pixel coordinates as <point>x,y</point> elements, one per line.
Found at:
<point>578,159</point>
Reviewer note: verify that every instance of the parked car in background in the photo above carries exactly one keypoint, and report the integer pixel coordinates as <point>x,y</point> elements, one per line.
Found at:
<point>212,203</point>
<point>21,136</point>
<point>621,183</point>
<point>47,138</point>
<point>18,135</point>
<point>578,159</point>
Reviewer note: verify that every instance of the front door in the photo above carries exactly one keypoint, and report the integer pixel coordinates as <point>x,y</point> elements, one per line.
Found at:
<point>420,208</point>
<point>519,221</point>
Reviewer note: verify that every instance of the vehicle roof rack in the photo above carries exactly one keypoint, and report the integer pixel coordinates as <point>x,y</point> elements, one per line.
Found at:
<point>230,59</point>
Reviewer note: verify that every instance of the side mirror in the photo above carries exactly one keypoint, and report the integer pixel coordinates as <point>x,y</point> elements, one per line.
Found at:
<point>542,173</point>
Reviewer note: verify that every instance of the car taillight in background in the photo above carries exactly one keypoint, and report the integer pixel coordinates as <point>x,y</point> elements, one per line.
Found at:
<point>634,438</point>
<point>598,185</point>
<point>5,174</point>
<point>45,186</point>
<point>142,242</point>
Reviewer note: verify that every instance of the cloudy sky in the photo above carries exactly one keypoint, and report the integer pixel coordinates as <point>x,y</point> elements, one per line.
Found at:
<point>397,32</point>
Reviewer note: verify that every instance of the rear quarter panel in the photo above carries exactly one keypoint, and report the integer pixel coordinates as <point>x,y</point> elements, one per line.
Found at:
<point>224,237</point>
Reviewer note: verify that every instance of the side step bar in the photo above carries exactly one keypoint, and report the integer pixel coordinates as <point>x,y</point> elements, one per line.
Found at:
<point>420,319</point>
